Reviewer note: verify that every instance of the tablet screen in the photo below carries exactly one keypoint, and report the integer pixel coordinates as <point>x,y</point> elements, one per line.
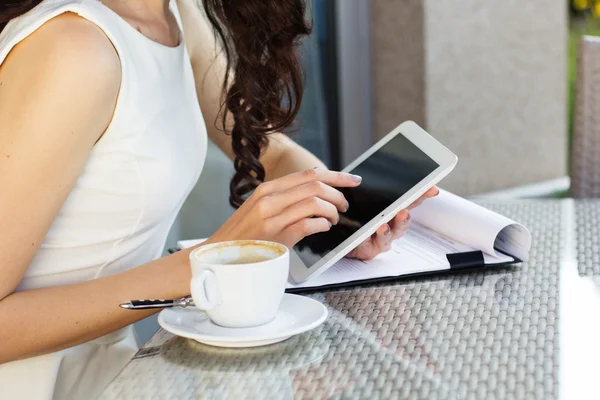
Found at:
<point>387,174</point>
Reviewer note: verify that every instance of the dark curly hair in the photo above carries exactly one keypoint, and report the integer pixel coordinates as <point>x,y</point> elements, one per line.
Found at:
<point>259,38</point>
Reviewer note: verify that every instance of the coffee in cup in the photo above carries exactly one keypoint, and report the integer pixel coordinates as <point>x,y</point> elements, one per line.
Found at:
<point>239,283</point>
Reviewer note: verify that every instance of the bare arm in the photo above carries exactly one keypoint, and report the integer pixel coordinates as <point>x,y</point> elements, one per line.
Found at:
<point>283,156</point>
<point>58,90</point>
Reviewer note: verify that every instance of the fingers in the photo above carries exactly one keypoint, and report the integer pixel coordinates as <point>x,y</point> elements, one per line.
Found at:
<point>306,209</point>
<point>312,189</point>
<point>331,178</point>
<point>364,251</point>
<point>399,225</point>
<point>305,227</point>
<point>434,191</point>
<point>381,240</point>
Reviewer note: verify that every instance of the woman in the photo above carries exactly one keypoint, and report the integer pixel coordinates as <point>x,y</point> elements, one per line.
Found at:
<point>105,109</point>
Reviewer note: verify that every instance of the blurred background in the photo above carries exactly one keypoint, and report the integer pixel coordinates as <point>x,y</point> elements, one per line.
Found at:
<point>492,80</point>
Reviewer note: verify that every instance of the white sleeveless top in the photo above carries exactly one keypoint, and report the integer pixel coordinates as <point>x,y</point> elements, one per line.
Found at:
<point>120,210</point>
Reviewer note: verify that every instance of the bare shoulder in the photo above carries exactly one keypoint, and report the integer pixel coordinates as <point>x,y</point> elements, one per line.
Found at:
<point>72,41</point>
<point>68,63</point>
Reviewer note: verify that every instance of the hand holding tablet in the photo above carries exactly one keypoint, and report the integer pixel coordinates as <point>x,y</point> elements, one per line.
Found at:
<point>381,240</point>
<point>395,173</point>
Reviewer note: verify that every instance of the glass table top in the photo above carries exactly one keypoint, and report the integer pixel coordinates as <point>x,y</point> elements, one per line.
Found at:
<point>494,333</point>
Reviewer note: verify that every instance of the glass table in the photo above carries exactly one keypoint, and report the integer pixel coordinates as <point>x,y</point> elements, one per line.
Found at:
<point>495,333</point>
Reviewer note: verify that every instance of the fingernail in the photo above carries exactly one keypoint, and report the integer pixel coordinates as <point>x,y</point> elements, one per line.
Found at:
<point>438,192</point>
<point>407,219</point>
<point>347,206</point>
<point>330,224</point>
<point>387,231</point>
<point>356,178</point>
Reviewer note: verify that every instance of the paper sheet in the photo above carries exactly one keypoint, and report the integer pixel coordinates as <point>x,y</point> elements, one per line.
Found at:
<point>471,223</point>
<point>420,250</point>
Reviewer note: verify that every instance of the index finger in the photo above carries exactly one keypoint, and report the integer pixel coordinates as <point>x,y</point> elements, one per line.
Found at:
<point>331,178</point>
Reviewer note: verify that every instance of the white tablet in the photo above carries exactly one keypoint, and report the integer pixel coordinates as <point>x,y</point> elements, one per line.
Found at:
<point>395,172</point>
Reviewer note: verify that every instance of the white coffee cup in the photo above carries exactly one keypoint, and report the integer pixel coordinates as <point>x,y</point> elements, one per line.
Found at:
<point>239,283</point>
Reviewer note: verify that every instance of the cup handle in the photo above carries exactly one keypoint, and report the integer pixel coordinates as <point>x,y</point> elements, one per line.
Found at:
<point>205,290</point>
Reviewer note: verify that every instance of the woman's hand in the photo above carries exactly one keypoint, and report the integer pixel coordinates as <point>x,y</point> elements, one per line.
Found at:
<point>290,208</point>
<point>381,240</point>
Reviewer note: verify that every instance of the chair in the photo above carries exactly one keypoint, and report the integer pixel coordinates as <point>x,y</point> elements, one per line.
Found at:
<point>585,152</point>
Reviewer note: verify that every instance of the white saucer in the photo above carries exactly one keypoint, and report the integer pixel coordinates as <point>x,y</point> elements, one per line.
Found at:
<point>297,314</point>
